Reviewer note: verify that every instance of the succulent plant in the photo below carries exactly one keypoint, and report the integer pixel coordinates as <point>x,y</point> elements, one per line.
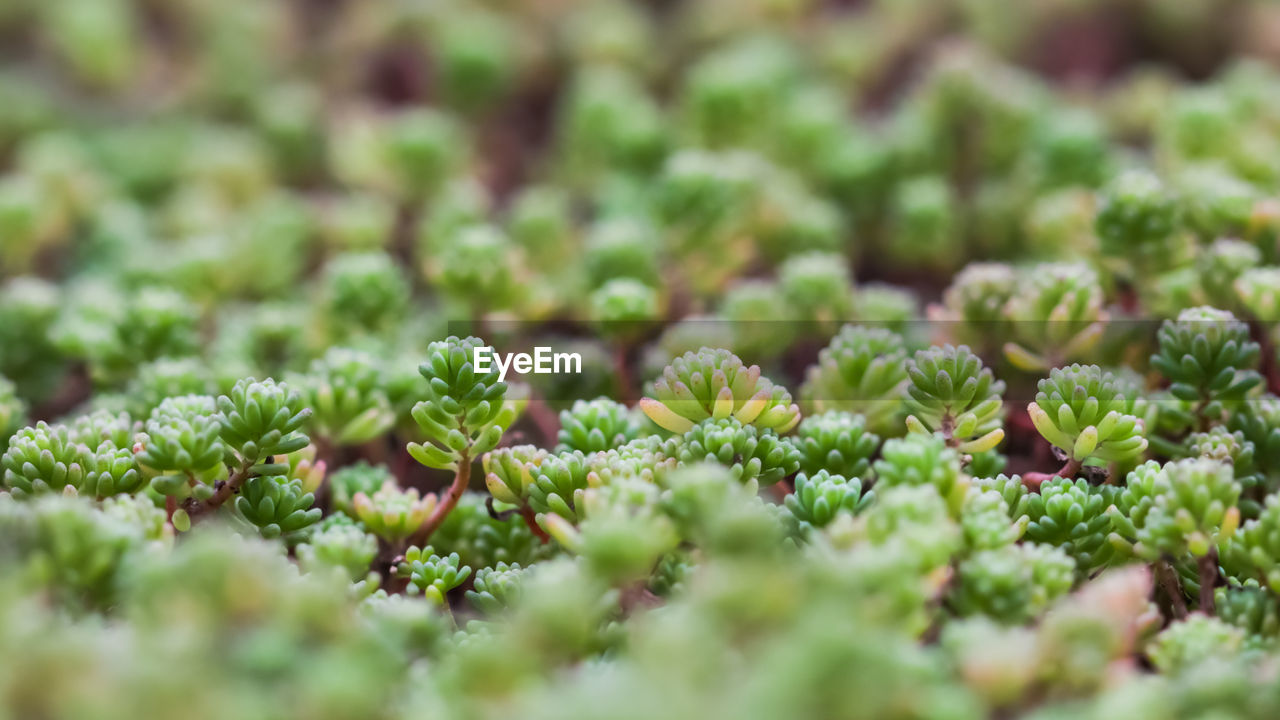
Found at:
<point>559,483</point>
<point>923,460</point>
<point>1256,289</point>
<point>1013,584</point>
<point>715,384</point>
<point>464,413</point>
<point>720,197</point>
<point>100,427</point>
<point>1192,510</point>
<point>363,293</point>
<point>496,588</point>
<point>817,291</point>
<point>111,471</point>
<point>261,420</point>
<point>391,513</point>
<point>986,521</point>
<point>184,447</point>
<point>1055,316</point>
<point>1070,515</point>
<point>1198,638</point>
<point>509,472</point>
<point>753,456</point>
<point>837,442</point>
<point>1256,547</point>
<point>817,500</point>
<point>1250,608</point>
<point>1208,357</point>
<point>863,371</point>
<point>952,393</point>
<point>44,459</point>
<point>596,425</point>
<point>359,477</point>
<point>276,505</point>
<point>344,391</point>
<point>621,306</point>
<point>1081,410</point>
<point>338,542</point>
<point>430,574</point>
<point>973,305</point>
<point>1136,214</point>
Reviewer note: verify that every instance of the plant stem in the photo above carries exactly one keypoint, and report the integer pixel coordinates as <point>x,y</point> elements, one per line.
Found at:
<point>461,478</point>
<point>1168,578</point>
<point>225,489</point>
<point>1070,469</point>
<point>526,512</point>
<point>1034,480</point>
<point>1208,578</point>
<point>623,372</point>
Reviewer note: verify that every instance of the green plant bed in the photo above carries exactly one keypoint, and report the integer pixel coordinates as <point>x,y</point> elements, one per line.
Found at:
<point>608,359</point>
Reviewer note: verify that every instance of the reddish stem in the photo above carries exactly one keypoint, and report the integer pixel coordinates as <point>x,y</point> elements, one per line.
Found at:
<point>1168,578</point>
<point>623,371</point>
<point>1034,480</point>
<point>461,479</point>
<point>526,512</point>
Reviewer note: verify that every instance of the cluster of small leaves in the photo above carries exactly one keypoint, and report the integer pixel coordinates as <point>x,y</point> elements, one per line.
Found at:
<point>463,414</point>
<point>716,385</point>
<point>863,370</point>
<point>1209,358</point>
<point>1082,411</point>
<point>817,500</point>
<point>277,506</point>
<point>952,393</point>
<point>837,442</point>
<point>430,574</point>
<point>601,424</point>
<point>754,456</point>
<point>391,513</point>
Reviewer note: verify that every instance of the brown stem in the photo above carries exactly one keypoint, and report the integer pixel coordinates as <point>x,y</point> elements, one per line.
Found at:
<point>1172,587</point>
<point>526,512</point>
<point>461,478</point>
<point>170,507</point>
<point>948,429</point>
<point>1070,469</point>
<point>223,492</point>
<point>1208,578</point>
<point>623,371</point>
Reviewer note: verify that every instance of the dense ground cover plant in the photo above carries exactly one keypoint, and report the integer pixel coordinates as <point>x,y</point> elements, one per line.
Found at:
<point>926,363</point>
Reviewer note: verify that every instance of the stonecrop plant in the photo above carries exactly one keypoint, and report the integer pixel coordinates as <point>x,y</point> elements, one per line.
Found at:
<point>606,359</point>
